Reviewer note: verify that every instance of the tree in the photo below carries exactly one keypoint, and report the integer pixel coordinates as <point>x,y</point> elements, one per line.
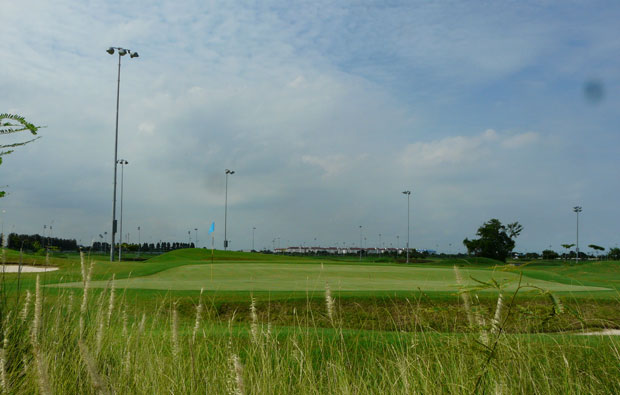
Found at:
<point>496,240</point>
<point>549,254</point>
<point>9,124</point>
<point>568,247</point>
<point>614,253</point>
<point>531,255</point>
<point>596,248</point>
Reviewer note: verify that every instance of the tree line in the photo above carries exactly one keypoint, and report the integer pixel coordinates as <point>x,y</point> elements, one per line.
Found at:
<point>38,242</point>
<point>163,246</point>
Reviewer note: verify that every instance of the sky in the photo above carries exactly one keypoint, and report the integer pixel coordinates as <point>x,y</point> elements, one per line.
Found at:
<point>326,111</point>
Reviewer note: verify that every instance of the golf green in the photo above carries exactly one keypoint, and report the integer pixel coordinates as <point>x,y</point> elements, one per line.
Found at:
<point>314,276</point>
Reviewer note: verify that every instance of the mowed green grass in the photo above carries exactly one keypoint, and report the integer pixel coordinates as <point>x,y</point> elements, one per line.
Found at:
<point>259,276</point>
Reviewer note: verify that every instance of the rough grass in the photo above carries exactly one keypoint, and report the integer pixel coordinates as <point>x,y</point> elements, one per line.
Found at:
<point>160,354</point>
<point>110,340</point>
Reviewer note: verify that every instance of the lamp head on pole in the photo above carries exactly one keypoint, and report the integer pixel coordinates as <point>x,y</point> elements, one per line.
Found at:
<point>122,52</point>
<point>230,171</point>
<point>406,192</point>
<point>577,209</point>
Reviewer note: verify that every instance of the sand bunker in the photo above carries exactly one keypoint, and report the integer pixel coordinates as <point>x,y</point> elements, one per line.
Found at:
<point>608,332</point>
<point>27,269</point>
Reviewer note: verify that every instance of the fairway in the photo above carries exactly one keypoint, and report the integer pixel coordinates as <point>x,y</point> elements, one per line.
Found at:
<point>313,277</point>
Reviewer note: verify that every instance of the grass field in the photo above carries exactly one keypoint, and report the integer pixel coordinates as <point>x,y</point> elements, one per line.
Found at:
<point>312,277</point>
<point>269,324</point>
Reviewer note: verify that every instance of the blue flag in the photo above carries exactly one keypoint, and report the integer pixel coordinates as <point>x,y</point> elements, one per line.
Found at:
<point>212,228</point>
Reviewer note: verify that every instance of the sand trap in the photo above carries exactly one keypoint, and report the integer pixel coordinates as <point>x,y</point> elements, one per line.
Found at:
<point>28,269</point>
<point>608,332</point>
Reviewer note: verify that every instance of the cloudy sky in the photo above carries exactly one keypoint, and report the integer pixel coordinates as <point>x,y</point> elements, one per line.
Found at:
<point>326,111</point>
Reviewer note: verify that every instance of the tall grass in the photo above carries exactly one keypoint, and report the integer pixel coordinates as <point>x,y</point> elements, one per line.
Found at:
<point>106,345</point>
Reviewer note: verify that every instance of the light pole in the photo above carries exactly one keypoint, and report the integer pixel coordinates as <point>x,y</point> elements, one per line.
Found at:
<point>408,193</point>
<point>226,208</point>
<point>121,162</point>
<point>139,245</point>
<point>360,243</point>
<point>253,229</point>
<point>189,238</point>
<point>577,210</point>
<point>196,238</point>
<point>3,241</point>
<point>121,52</point>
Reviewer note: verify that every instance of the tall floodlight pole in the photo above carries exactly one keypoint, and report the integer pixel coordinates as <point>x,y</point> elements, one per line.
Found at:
<point>253,229</point>
<point>408,193</point>
<point>3,238</point>
<point>196,238</point>
<point>121,52</point>
<point>139,245</point>
<point>226,208</point>
<point>577,210</point>
<point>121,162</point>
<point>360,243</point>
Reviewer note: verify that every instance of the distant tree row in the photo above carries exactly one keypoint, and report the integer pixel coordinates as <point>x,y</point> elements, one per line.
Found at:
<point>144,247</point>
<point>38,242</point>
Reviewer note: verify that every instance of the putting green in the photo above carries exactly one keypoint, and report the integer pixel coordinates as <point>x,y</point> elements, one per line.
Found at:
<point>313,277</point>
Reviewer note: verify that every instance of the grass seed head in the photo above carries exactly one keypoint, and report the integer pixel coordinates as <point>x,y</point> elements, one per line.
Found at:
<point>112,298</point>
<point>498,315</point>
<point>329,302</point>
<point>175,331</point>
<point>236,384</point>
<point>254,323</point>
<point>25,310</point>
<point>38,303</point>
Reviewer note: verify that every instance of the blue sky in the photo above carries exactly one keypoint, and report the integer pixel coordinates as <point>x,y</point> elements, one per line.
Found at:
<point>325,111</point>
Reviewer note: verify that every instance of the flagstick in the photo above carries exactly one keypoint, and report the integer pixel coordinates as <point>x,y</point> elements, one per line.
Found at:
<point>212,242</point>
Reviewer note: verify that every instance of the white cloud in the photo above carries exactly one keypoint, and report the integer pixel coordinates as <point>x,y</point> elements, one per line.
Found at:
<point>520,140</point>
<point>461,150</point>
